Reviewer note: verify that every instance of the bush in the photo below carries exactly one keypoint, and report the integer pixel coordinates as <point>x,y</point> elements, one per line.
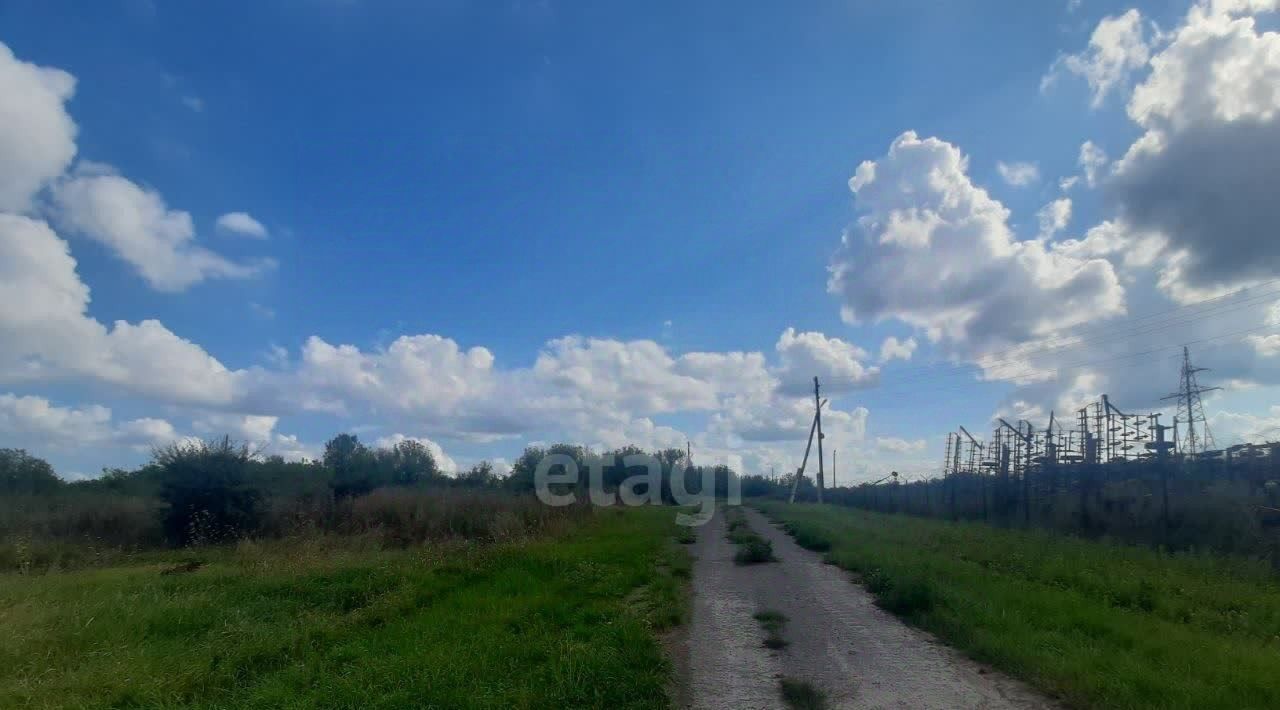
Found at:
<point>204,485</point>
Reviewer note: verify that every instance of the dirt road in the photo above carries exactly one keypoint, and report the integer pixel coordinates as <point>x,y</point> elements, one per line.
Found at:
<point>859,655</point>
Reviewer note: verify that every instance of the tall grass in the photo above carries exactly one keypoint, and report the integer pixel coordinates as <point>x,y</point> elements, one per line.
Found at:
<point>71,531</point>
<point>1099,625</point>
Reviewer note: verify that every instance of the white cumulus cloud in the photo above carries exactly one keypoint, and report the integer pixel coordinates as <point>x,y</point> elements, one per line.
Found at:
<point>242,224</point>
<point>46,334</point>
<point>38,423</point>
<point>138,227</point>
<point>934,250</point>
<point>37,136</point>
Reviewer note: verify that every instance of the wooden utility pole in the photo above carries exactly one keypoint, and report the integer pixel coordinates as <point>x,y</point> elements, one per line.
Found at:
<point>817,420</point>
<point>833,469</point>
<point>795,480</point>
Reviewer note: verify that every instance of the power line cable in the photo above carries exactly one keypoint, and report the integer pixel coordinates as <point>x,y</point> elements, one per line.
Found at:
<point>1056,372</point>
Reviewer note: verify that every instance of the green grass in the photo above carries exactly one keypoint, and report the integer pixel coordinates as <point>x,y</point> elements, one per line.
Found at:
<point>754,552</point>
<point>329,622</point>
<point>1095,624</point>
<point>685,535</point>
<point>752,549</point>
<point>801,695</point>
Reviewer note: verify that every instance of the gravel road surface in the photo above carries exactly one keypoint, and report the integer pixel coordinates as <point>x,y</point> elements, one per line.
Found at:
<point>859,655</point>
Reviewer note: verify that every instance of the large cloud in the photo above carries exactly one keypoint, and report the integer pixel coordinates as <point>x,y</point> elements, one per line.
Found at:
<point>37,144</point>
<point>46,333</point>
<point>838,364</point>
<point>1204,171</point>
<point>935,251</point>
<point>136,224</point>
<point>636,376</point>
<point>35,419</point>
<point>37,137</point>
<point>600,391</point>
<point>422,373</point>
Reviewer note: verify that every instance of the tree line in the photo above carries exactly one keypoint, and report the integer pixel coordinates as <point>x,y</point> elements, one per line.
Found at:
<point>218,490</point>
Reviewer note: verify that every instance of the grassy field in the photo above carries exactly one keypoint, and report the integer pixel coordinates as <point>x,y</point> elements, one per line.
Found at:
<point>1096,625</point>
<point>570,621</point>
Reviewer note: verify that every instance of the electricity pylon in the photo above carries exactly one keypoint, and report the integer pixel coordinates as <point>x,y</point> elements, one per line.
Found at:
<point>1198,438</point>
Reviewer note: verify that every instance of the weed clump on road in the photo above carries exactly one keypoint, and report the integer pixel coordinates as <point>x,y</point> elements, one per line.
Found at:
<point>752,549</point>
<point>755,551</point>
<point>772,622</point>
<point>801,695</point>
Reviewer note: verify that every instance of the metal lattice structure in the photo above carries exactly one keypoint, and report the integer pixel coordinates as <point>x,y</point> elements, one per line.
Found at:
<point>1103,434</point>
<point>1197,438</point>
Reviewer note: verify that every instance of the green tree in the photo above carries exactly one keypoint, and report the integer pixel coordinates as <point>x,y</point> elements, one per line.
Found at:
<point>480,475</point>
<point>24,474</point>
<point>353,466</point>
<point>408,463</point>
<point>521,478</point>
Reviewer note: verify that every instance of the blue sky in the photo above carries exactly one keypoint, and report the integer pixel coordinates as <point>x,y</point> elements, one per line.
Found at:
<point>663,181</point>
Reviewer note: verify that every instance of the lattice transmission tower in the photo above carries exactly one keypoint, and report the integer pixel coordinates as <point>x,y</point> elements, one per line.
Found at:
<point>1197,438</point>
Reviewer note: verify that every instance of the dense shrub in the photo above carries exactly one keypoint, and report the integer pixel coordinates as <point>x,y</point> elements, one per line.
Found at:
<point>205,488</point>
